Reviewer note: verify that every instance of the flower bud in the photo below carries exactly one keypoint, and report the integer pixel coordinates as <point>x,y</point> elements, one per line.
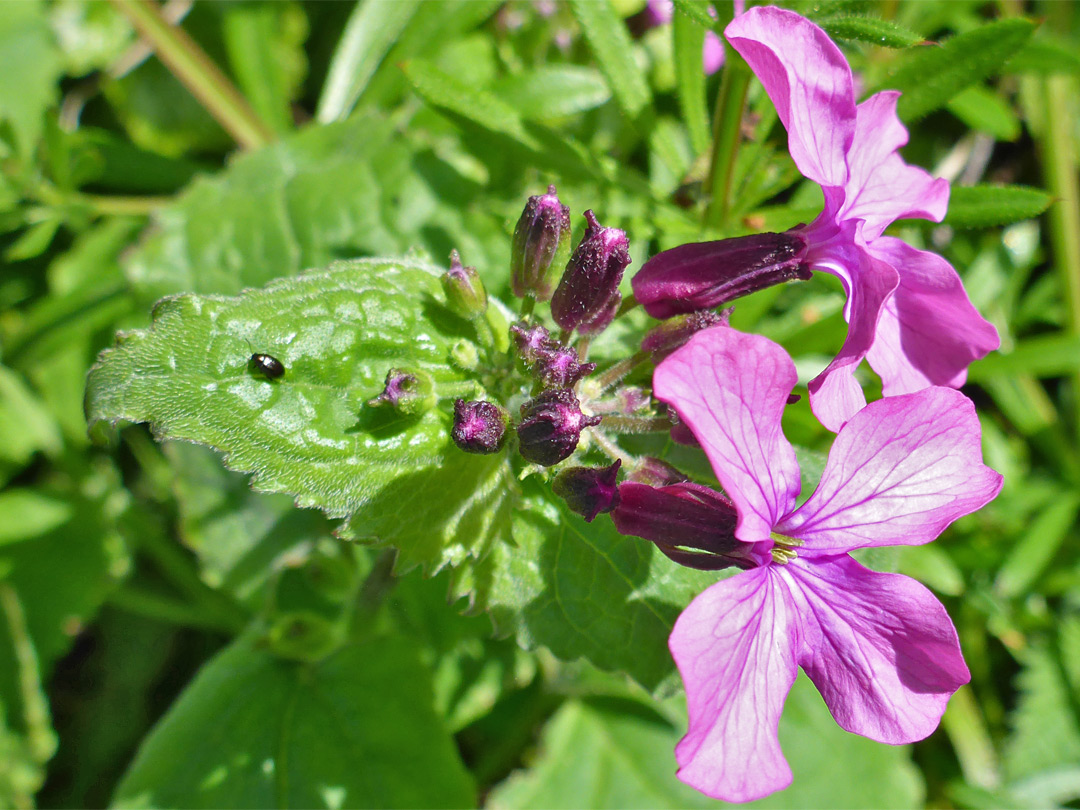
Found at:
<point>531,340</point>
<point>479,426</point>
<point>656,473</point>
<point>541,246</point>
<point>588,490</point>
<point>674,332</point>
<point>407,392</point>
<point>551,425</point>
<point>703,275</point>
<point>465,294</point>
<point>680,517</point>
<point>592,275</point>
<point>680,431</point>
<point>602,319</point>
<point>559,367</point>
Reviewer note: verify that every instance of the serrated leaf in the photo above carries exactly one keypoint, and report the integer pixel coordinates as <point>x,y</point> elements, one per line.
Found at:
<point>609,40</point>
<point>985,111</point>
<point>930,76</point>
<point>354,730</point>
<point>309,433</point>
<point>987,206</point>
<point>554,91</point>
<point>868,29</point>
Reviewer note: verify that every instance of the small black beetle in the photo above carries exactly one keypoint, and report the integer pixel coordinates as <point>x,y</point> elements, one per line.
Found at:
<point>270,366</point>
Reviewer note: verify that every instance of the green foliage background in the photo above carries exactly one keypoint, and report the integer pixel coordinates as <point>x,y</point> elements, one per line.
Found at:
<point>424,629</point>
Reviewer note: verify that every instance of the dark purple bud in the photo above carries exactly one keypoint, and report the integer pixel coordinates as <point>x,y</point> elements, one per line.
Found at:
<point>656,473</point>
<point>541,246</point>
<point>559,367</point>
<point>703,275</point>
<point>407,392</point>
<point>465,293</point>
<point>531,340</point>
<point>602,319</point>
<point>674,332</point>
<point>588,490</point>
<point>793,398</point>
<point>592,275</point>
<point>681,517</point>
<point>551,425</point>
<point>680,433</point>
<point>479,427</point>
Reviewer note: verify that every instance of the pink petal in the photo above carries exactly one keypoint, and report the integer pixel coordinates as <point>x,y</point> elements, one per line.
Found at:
<point>879,647</point>
<point>881,187</point>
<point>735,647</point>
<point>898,473</point>
<point>730,388</point>
<point>929,331</point>
<point>809,82</point>
<point>835,395</point>
<point>712,53</point>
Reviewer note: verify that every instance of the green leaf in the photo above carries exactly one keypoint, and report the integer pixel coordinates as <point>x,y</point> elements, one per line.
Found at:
<point>696,10</point>
<point>310,434</point>
<point>28,82</point>
<point>355,730</point>
<point>554,91</point>
<point>29,513</point>
<point>931,75</point>
<point>605,752</point>
<point>26,425</point>
<point>372,29</point>
<point>609,40</point>
<point>689,39</point>
<point>1044,356</point>
<point>987,206</point>
<point>868,29</point>
<point>1045,55</point>
<point>1029,558</point>
<point>983,109</point>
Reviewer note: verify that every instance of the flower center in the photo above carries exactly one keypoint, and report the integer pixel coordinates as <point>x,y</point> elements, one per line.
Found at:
<point>783,550</point>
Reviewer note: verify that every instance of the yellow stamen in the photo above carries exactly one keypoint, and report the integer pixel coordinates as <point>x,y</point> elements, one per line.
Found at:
<point>782,556</point>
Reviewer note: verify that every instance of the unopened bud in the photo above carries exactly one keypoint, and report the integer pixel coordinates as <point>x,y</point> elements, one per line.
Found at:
<point>680,431</point>
<point>479,426</point>
<point>551,425</point>
<point>465,293</point>
<point>703,275</point>
<point>588,491</point>
<point>602,319</point>
<point>531,340</point>
<point>592,275</point>
<point>674,332</point>
<point>559,367</point>
<point>656,473</point>
<point>407,392</point>
<point>541,246</point>
<point>681,517</point>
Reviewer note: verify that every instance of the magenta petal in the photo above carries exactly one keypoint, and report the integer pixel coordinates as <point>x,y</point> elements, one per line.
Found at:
<point>730,388</point>
<point>735,647</point>
<point>809,82</point>
<point>881,187</point>
<point>879,647</point>
<point>898,473</point>
<point>929,331</point>
<point>712,53</point>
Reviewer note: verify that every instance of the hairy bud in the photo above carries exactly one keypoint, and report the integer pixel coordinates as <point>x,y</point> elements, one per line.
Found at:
<point>550,426</point>
<point>588,491</point>
<point>541,246</point>
<point>479,426</point>
<point>592,275</point>
<point>674,332</point>
<point>465,293</point>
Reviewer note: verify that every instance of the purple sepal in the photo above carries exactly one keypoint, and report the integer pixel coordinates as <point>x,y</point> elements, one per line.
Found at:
<point>408,393</point>
<point>673,333</point>
<point>703,275</point>
<point>680,433</point>
<point>541,246</point>
<point>559,367</point>
<point>479,426</point>
<point>602,319</point>
<point>680,517</point>
<point>550,426</point>
<point>592,275</point>
<point>588,491</point>
<point>656,473</point>
<point>531,340</point>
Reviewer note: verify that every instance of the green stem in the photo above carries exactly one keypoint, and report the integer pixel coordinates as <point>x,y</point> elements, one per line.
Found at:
<point>39,733</point>
<point>528,303</point>
<point>1060,170</point>
<point>971,740</point>
<point>197,72</point>
<point>103,205</point>
<point>636,424</point>
<point>628,303</point>
<point>612,450</point>
<point>609,377</point>
<point>727,124</point>
<point>144,602</point>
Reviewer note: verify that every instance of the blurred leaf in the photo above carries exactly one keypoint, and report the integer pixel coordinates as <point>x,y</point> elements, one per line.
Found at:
<point>932,566</point>
<point>986,206</point>
<point>91,36</point>
<point>34,241</point>
<point>310,434</point>
<point>32,64</point>
<point>358,729</point>
<point>696,10</point>
<point>25,425</point>
<point>983,110</point>
<point>1045,55</point>
<point>929,76</point>
<point>868,29</point>
<point>553,91</point>
<point>616,753</point>
<point>21,774</point>
<point>28,513</point>
<point>689,39</point>
<point>1043,356</point>
<point>372,29</point>
<point>1029,558</point>
<point>609,40</point>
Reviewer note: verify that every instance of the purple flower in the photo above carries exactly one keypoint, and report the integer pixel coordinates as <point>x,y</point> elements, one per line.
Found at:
<point>660,12</point>
<point>879,647</point>
<point>907,311</point>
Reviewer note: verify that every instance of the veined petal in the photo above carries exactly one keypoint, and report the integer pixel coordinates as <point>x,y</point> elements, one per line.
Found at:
<point>879,647</point>
<point>835,395</point>
<point>730,388</point>
<point>735,647</point>
<point>899,472</point>
<point>929,332</point>
<point>881,187</point>
<point>809,82</point>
